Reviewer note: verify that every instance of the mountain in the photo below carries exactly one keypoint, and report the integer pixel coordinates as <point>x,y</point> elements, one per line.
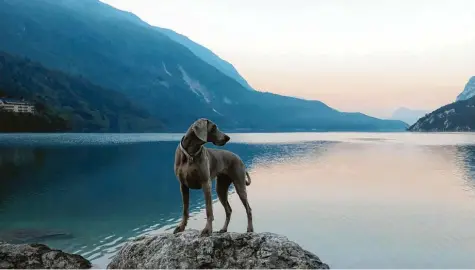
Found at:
<point>118,51</point>
<point>468,91</point>
<point>85,106</point>
<point>208,56</point>
<point>407,115</point>
<point>454,117</point>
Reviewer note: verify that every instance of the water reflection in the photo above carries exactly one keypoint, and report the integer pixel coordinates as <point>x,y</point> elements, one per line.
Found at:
<point>367,205</point>
<point>466,161</point>
<point>373,200</point>
<point>103,193</point>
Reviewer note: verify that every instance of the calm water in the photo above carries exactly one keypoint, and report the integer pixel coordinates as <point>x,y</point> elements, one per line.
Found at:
<point>357,200</point>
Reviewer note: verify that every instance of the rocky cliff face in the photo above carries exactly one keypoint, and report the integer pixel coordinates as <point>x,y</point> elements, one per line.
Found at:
<point>468,91</point>
<point>456,117</point>
<point>220,250</point>
<point>37,256</point>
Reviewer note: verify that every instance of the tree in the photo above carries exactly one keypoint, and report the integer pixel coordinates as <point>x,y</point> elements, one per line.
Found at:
<point>40,107</point>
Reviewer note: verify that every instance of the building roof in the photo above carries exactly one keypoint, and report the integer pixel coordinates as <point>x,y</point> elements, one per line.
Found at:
<point>14,101</point>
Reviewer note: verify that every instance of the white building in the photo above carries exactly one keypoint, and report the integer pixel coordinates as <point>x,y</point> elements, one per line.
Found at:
<point>17,106</point>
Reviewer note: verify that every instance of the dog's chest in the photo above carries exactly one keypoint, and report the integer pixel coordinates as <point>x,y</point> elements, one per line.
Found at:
<point>191,176</point>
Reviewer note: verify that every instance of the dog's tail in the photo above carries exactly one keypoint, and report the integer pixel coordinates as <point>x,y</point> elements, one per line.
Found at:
<point>248,178</point>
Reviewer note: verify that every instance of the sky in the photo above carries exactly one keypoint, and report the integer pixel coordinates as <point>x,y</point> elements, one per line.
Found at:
<point>371,56</point>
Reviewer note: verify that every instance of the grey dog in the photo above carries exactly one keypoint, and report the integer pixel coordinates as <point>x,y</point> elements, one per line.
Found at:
<point>196,166</point>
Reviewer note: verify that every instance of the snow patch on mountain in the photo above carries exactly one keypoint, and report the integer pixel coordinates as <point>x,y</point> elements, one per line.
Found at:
<point>166,70</point>
<point>195,85</point>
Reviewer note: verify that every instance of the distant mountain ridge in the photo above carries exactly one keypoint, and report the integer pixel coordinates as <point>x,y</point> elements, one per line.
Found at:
<point>118,51</point>
<point>407,115</point>
<point>208,56</point>
<point>199,50</point>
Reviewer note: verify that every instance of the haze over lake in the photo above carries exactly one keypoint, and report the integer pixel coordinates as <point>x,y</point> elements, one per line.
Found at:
<point>357,200</point>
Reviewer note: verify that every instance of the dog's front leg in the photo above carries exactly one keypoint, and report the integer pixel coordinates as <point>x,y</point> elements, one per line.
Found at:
<point>185,196</point>
<point>209,210</point>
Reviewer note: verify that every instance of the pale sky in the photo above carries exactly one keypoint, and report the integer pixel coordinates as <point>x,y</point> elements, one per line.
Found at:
<point>370,56</point>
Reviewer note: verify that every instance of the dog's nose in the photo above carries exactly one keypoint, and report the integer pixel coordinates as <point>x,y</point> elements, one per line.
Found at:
<point>227,138</point>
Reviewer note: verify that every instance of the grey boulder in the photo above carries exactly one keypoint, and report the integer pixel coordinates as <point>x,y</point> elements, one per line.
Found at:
<point>38,256</point>
<point>220,250</point>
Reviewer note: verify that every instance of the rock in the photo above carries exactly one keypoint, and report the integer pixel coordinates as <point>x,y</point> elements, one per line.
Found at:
<point>24,236</point>
<point>220,250</point>
<point>34,256</point>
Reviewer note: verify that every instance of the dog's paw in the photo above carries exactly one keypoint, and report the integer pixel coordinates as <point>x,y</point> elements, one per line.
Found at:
<point>250,230</point>
<point>222,231</point>
<point>178,229</point>
<point>206,232</point>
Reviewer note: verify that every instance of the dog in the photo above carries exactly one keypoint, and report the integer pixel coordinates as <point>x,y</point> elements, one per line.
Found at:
<point>196,166</point>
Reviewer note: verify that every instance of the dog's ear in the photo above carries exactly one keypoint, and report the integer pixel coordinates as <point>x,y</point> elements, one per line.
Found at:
<point>201,129</point>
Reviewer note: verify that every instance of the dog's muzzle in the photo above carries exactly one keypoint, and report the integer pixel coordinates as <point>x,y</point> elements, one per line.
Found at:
<point>223,141</point>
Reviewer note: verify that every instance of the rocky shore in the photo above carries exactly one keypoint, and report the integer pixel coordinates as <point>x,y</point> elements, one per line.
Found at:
<point>220,250</point>
<point>181,251</point>
<point>38,256</point>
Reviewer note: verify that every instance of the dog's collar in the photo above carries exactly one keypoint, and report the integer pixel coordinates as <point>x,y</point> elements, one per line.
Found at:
<point>188,155</point>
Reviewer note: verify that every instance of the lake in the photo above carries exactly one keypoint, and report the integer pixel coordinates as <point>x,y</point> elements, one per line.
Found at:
<point>357,200</point>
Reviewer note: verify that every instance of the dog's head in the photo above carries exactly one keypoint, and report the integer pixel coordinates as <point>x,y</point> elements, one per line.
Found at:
<point>207,131</point>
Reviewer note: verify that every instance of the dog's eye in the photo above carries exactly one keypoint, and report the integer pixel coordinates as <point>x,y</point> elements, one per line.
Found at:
<point>213,128</point>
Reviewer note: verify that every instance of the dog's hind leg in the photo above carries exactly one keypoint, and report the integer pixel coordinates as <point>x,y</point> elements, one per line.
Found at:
<point>222,187</point>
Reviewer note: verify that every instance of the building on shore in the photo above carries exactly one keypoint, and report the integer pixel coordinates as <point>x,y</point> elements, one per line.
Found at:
<point>16,106</point>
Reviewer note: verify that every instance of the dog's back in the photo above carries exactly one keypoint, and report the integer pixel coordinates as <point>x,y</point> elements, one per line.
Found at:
<point>226,162</point>
<point>223,160</point>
